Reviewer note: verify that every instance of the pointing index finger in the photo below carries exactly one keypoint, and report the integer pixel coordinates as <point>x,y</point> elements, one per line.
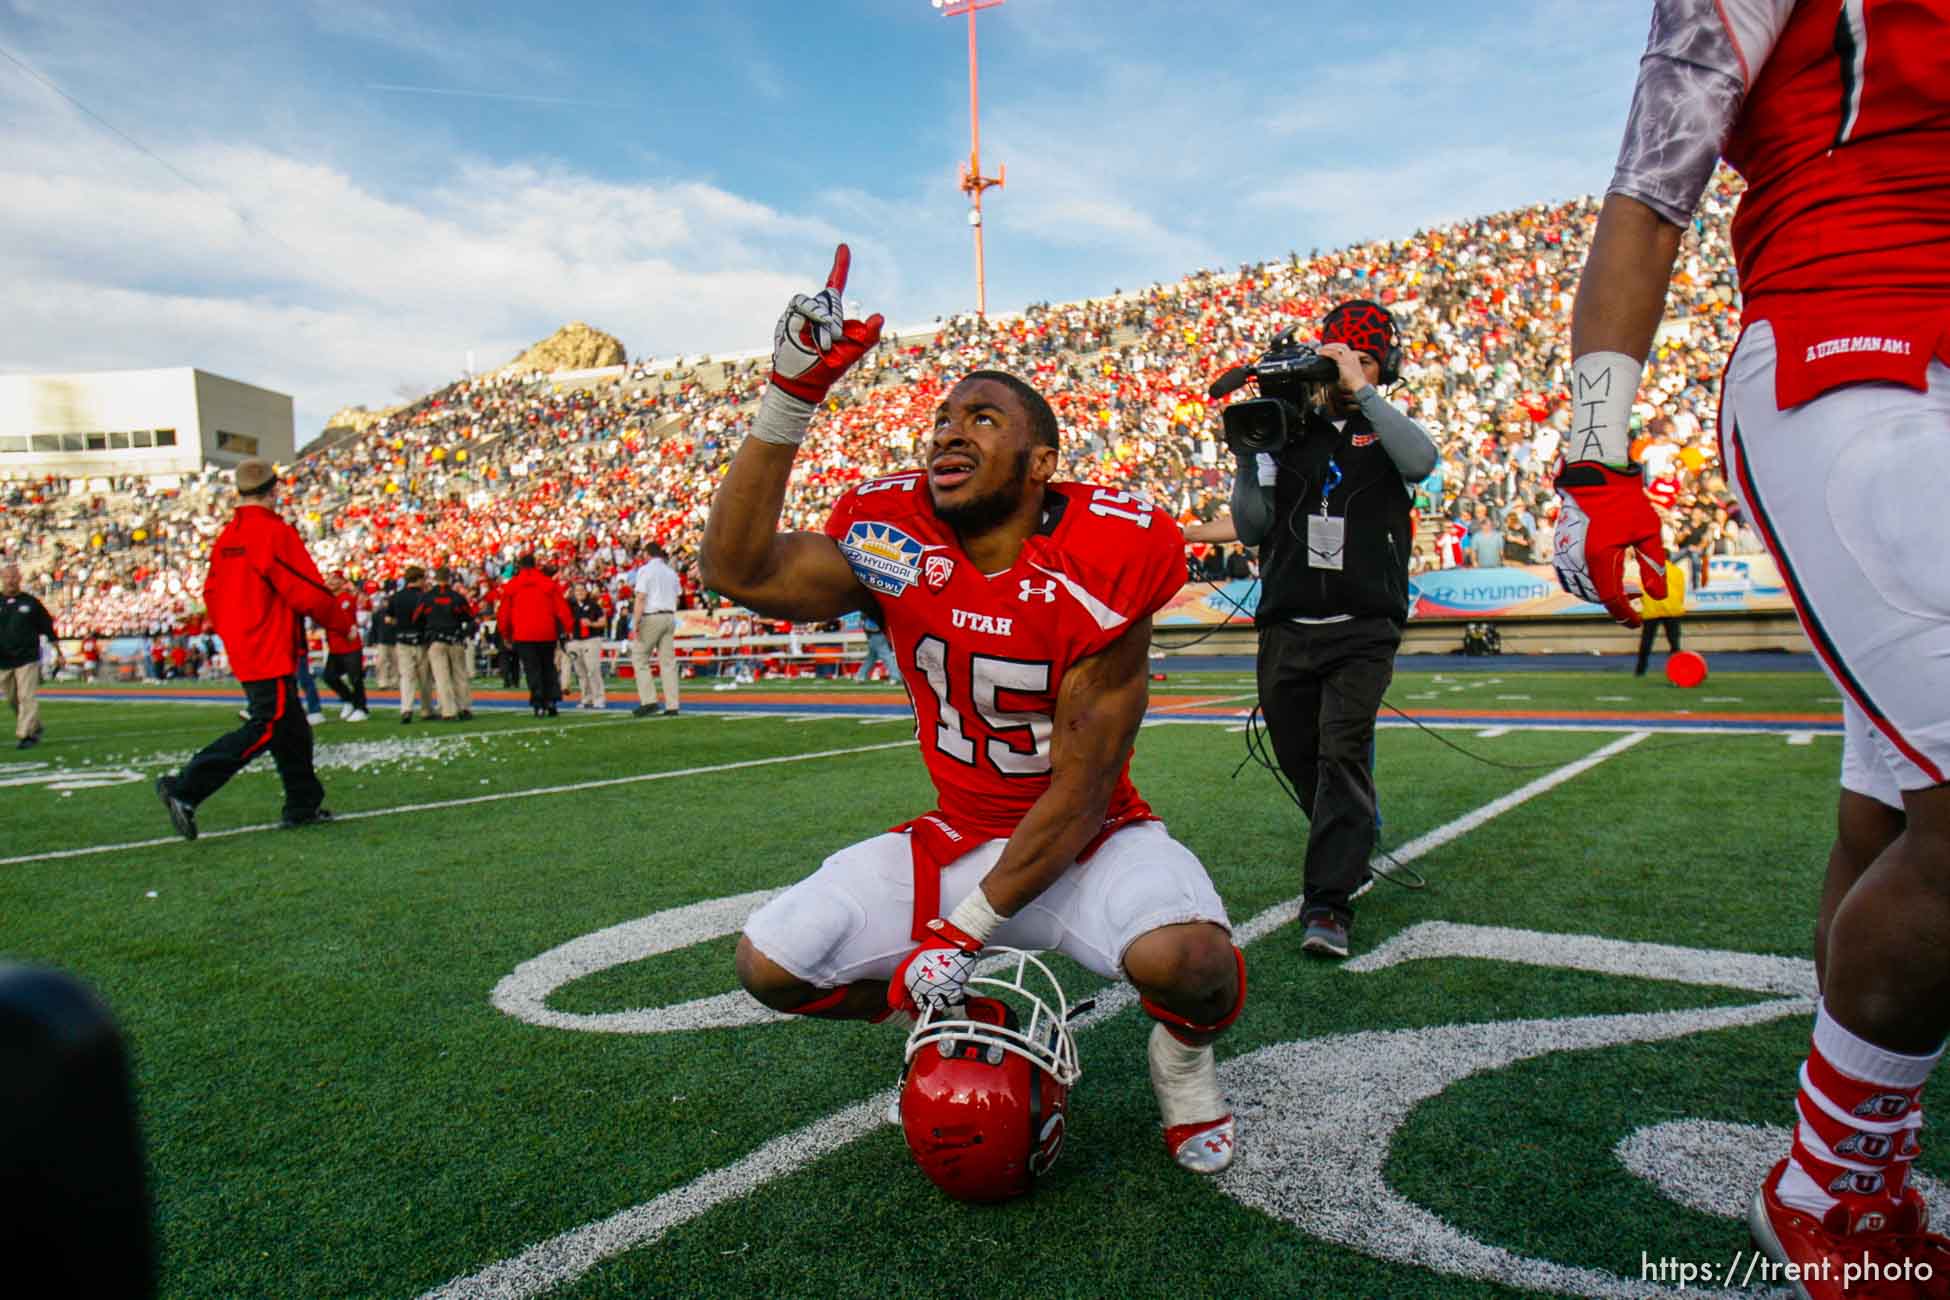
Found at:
<point>842,263</point>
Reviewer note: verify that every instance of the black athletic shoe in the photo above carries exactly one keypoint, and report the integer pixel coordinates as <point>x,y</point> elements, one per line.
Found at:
<point>467,715</point>
<point>181,815</point>
<point>405,719</point>
<point>28,742</point>
<point>646,710</point>
<point>315,817</point>
<point>669,713</point>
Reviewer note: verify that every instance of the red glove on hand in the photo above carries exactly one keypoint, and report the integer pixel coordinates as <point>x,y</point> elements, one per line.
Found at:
<point>936,973</point>
<point>814,344</point>
<point>1606,513</point>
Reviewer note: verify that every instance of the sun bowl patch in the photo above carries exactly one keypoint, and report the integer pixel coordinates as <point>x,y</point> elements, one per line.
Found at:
<point>883,557</point>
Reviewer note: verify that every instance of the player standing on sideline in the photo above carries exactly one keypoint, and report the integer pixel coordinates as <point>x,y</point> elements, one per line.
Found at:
<point>1835,410</point>
<point>1020,610</point>
<point>262,583</point>
<point>345,654</point>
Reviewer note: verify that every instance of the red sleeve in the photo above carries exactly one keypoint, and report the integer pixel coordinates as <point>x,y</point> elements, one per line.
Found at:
<point>1132,568</point>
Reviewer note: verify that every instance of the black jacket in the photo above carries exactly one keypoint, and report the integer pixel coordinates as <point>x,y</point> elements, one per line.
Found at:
<point>1374,500</point>
<point>23,622</point>
<point>446,616</point>
<point>404,607</point>
<point>588,613</point>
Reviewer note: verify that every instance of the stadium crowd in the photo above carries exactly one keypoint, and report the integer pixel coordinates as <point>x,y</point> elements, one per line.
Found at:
<point>583,471</point>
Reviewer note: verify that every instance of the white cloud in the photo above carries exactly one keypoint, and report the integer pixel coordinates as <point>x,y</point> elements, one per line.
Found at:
<point>337,293</point>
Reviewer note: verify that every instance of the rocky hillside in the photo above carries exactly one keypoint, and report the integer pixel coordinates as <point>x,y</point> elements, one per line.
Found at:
<point>575,346</point>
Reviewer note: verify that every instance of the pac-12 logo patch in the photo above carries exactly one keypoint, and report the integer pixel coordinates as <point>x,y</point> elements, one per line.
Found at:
<point>938,572</point>
<point>883,557</point>
<point>1363,439</point>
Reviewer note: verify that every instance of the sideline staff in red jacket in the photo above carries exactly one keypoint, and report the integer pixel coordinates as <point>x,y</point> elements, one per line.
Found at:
<point>261,581</point>
<point>533,614</point>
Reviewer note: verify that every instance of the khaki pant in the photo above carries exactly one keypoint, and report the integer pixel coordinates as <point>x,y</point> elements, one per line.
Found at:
<point>415,674</point>
<point>384,673</point>
<point>587,656</point>
<point>656,632</point>
<point>19,686</point>
<point>451,677</point>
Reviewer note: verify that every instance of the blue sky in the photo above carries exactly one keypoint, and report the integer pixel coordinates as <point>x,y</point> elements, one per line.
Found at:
<point>672,172</point>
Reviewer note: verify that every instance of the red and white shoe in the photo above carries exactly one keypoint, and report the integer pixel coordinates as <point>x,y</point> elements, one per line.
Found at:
<point>1198,1121</point>
<point>1880,1256</point>
<point>1201,1148</point>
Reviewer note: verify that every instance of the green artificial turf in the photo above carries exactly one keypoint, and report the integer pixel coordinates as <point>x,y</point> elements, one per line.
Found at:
<point>332,1106</point>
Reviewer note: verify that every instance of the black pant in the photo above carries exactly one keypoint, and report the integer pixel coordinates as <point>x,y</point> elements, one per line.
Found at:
<point>510,666</point>
<point>346,675</point>
<point>277,723</point>
<point>1320,686</point>
<point>1645,640</point>
<point>538,664</point>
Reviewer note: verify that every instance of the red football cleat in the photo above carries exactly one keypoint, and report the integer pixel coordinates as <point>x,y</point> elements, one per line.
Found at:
<point>1889,1256</point>
<point>1202,1148</point>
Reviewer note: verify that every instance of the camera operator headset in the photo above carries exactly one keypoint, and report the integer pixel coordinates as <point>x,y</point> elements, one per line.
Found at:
<point>1325,479</point>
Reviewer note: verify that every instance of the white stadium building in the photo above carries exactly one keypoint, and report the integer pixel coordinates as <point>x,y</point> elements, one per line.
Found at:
<point>137,422</point>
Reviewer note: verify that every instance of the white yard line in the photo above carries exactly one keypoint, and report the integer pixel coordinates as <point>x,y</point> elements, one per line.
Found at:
<point>462,803</point>
<point>568,1256</point>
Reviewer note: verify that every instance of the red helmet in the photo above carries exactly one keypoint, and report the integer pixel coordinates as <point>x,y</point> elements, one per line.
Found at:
<point>984,1100</point>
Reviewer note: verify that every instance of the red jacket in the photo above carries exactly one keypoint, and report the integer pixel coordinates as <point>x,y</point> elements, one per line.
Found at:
<point>347,641</point>
<point>532,608</point>
<point>261,580</point>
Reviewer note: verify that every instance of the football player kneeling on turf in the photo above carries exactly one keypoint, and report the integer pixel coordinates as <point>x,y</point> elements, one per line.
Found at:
<point>1020,613</point>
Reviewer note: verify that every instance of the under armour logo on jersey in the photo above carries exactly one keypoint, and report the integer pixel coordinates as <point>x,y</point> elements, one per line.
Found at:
<point>1047,591</point>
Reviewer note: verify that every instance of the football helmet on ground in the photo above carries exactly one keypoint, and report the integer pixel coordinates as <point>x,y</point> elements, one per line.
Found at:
<point>984,1098</point>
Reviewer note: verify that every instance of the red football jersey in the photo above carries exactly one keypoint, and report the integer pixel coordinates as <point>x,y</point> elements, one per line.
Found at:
<point>1837,113</point>
<point>984,654</point>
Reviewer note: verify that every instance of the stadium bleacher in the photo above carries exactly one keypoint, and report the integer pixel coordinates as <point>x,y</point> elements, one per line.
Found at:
<point>580,470</point>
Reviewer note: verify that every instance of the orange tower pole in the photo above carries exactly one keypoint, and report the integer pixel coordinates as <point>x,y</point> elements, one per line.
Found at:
<point>972,180</point>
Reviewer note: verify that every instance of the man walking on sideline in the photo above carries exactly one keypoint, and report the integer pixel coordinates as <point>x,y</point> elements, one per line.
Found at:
<point>654,628</point>
<point>345,666</point>
<point>533,615</point>
<point>262,582</point>
<point>23,622</point>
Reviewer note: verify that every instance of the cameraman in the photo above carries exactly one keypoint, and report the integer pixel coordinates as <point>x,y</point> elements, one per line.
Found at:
<point>1328,505</point>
